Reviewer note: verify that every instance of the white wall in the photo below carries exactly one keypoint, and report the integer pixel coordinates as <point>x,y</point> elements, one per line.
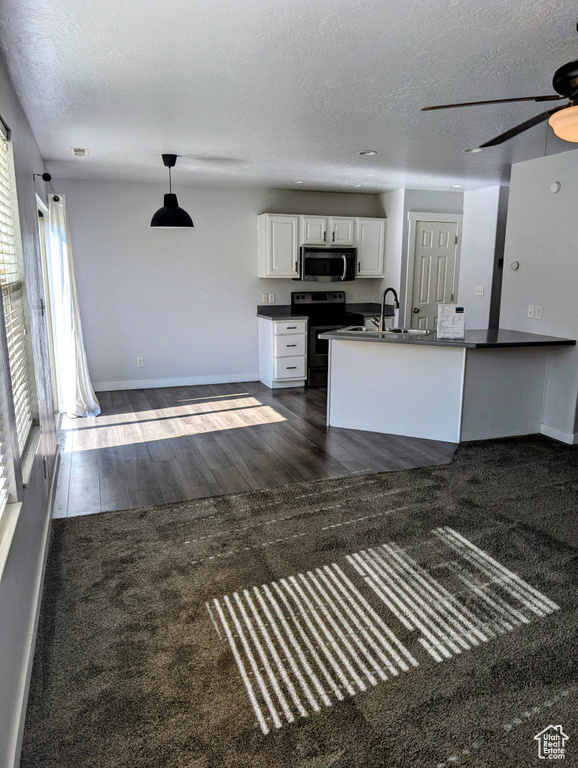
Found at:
<point>185,300</point>
<point>541,235</point>
<point>393,209</point>
<point>479,234</point>
<point>21,580</point>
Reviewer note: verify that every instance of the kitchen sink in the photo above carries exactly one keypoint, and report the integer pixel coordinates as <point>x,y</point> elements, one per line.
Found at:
<point>412,331</point>
<point>376,332</point>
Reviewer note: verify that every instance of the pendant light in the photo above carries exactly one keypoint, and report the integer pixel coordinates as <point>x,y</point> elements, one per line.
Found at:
<point>170,216</point>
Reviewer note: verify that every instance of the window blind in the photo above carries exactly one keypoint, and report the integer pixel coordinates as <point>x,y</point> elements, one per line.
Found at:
<point>13,301</point>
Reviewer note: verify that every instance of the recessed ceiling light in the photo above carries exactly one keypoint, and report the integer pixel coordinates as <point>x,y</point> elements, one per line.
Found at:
<point>456,186</point>
<point>296,182</point>
<point>79,151</point>
<point>368,152</point>
<point>474,149</point>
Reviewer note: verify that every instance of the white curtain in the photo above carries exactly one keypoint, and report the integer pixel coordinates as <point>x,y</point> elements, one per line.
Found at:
<point>76,392</point>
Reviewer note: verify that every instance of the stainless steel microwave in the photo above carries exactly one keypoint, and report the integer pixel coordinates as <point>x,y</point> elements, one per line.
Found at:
<point>327,265</point>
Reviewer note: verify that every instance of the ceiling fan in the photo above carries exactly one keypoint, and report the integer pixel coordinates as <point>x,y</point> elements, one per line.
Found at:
<point>564,119</point>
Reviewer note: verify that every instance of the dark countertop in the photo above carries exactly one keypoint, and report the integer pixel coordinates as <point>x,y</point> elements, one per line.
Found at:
<point>278,312</point>
<point>475,339</point>
<point>283,311</point>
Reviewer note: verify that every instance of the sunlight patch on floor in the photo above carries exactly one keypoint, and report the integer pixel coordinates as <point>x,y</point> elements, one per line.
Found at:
<point>202,416</point>
<point>308,641</point>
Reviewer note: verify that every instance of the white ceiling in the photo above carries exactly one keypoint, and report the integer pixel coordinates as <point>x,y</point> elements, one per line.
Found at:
<point>265,92</point>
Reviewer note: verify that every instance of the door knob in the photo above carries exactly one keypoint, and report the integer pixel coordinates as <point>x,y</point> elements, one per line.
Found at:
<point>415,310</point>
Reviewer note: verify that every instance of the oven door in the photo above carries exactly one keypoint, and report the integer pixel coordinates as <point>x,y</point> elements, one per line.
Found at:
<point>318,355</point>
<point>323,266</point>
<point>318,349</point>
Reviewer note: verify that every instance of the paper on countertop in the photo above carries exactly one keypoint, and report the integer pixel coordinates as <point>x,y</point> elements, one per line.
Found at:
<point>451,322</point>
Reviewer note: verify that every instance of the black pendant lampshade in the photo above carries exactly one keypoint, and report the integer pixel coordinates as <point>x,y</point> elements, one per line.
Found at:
<point>170,215</point>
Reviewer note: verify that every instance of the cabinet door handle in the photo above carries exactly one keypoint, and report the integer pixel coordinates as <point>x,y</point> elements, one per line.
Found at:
<point>291,367</point>
<point>296,263</point>
<point>291,327</point>
<point>291,345</point>
<point>325,236</point>
<point>333,236</point>
<point>359,266</point>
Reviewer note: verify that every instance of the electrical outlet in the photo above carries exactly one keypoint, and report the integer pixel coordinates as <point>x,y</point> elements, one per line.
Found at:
<point>264,298</point>
<point>355,295</point>
<point>538,314</point>
<point>271,298</point>
<point>530,310</point>
<point>478,290</point>
<point>140,362</point>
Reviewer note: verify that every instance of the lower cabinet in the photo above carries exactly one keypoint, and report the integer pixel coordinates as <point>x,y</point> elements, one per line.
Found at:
<point>282,352</point>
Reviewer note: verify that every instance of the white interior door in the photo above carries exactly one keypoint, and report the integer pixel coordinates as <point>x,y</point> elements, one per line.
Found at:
<point>434,270</point>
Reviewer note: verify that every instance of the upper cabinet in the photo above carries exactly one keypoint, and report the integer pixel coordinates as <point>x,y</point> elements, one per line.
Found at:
<point>326,230</point>
<point>281,236</point>
<point>278,245</point>
<point>370,242</point>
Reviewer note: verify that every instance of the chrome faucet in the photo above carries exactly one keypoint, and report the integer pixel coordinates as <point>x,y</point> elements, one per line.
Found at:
<point>380,323</point>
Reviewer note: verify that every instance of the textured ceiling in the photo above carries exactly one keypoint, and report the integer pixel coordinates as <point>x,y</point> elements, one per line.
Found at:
<point>264,92</point>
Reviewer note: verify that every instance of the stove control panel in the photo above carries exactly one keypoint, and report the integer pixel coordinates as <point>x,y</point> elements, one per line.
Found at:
<point>318,297</point>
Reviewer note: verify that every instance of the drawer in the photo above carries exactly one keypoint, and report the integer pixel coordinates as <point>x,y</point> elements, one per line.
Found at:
<point>290,326</point>
<point>289,345</point>
<point>290,368</point>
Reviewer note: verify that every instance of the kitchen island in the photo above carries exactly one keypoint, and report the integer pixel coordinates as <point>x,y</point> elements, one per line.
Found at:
<point>489,384</point>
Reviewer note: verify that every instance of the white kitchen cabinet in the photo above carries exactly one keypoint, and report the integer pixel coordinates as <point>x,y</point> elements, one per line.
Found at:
<point>326,230</point>
<point>370,242</point>
<point>282,235</point>
<point>342,231</point>
<point>278,245</point>
<point>282,352</point>
<point>313,230</point>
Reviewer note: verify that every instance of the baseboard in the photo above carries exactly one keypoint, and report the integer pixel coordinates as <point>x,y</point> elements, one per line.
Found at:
<point>186,381</point>
<point>557,434</point>
<point>17,738</point>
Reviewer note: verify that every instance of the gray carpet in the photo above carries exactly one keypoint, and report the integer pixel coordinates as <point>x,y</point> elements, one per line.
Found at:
<point>406,619</point>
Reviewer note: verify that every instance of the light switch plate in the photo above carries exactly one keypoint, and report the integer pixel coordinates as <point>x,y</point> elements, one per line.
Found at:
<point>530,310</point>
<point>271,298</point>
<point>355,295</point>
<point>264,298</point>
<point>538,312</point>
<point>478,290</point>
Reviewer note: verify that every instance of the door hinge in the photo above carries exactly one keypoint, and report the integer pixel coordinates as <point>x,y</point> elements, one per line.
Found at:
<point>42,307</point>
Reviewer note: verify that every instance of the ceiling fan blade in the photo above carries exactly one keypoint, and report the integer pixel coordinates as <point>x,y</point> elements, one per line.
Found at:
<point>520,128</point>
<point>494,101</point>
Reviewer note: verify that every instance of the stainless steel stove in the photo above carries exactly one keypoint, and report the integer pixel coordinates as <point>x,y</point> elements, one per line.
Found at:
<point>325,311</point>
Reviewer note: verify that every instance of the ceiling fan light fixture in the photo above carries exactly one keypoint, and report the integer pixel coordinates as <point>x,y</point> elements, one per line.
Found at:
<point>564,123</point>
<point>171,216</point>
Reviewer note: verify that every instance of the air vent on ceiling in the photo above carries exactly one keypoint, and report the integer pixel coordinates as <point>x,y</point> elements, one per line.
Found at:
<point>80,151</point>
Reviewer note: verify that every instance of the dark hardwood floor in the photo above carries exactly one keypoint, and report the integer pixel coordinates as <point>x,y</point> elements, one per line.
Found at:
<point>152,446</point>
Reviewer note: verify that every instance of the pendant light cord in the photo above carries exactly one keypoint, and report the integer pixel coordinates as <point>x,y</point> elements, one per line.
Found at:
<point>170,182</point>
